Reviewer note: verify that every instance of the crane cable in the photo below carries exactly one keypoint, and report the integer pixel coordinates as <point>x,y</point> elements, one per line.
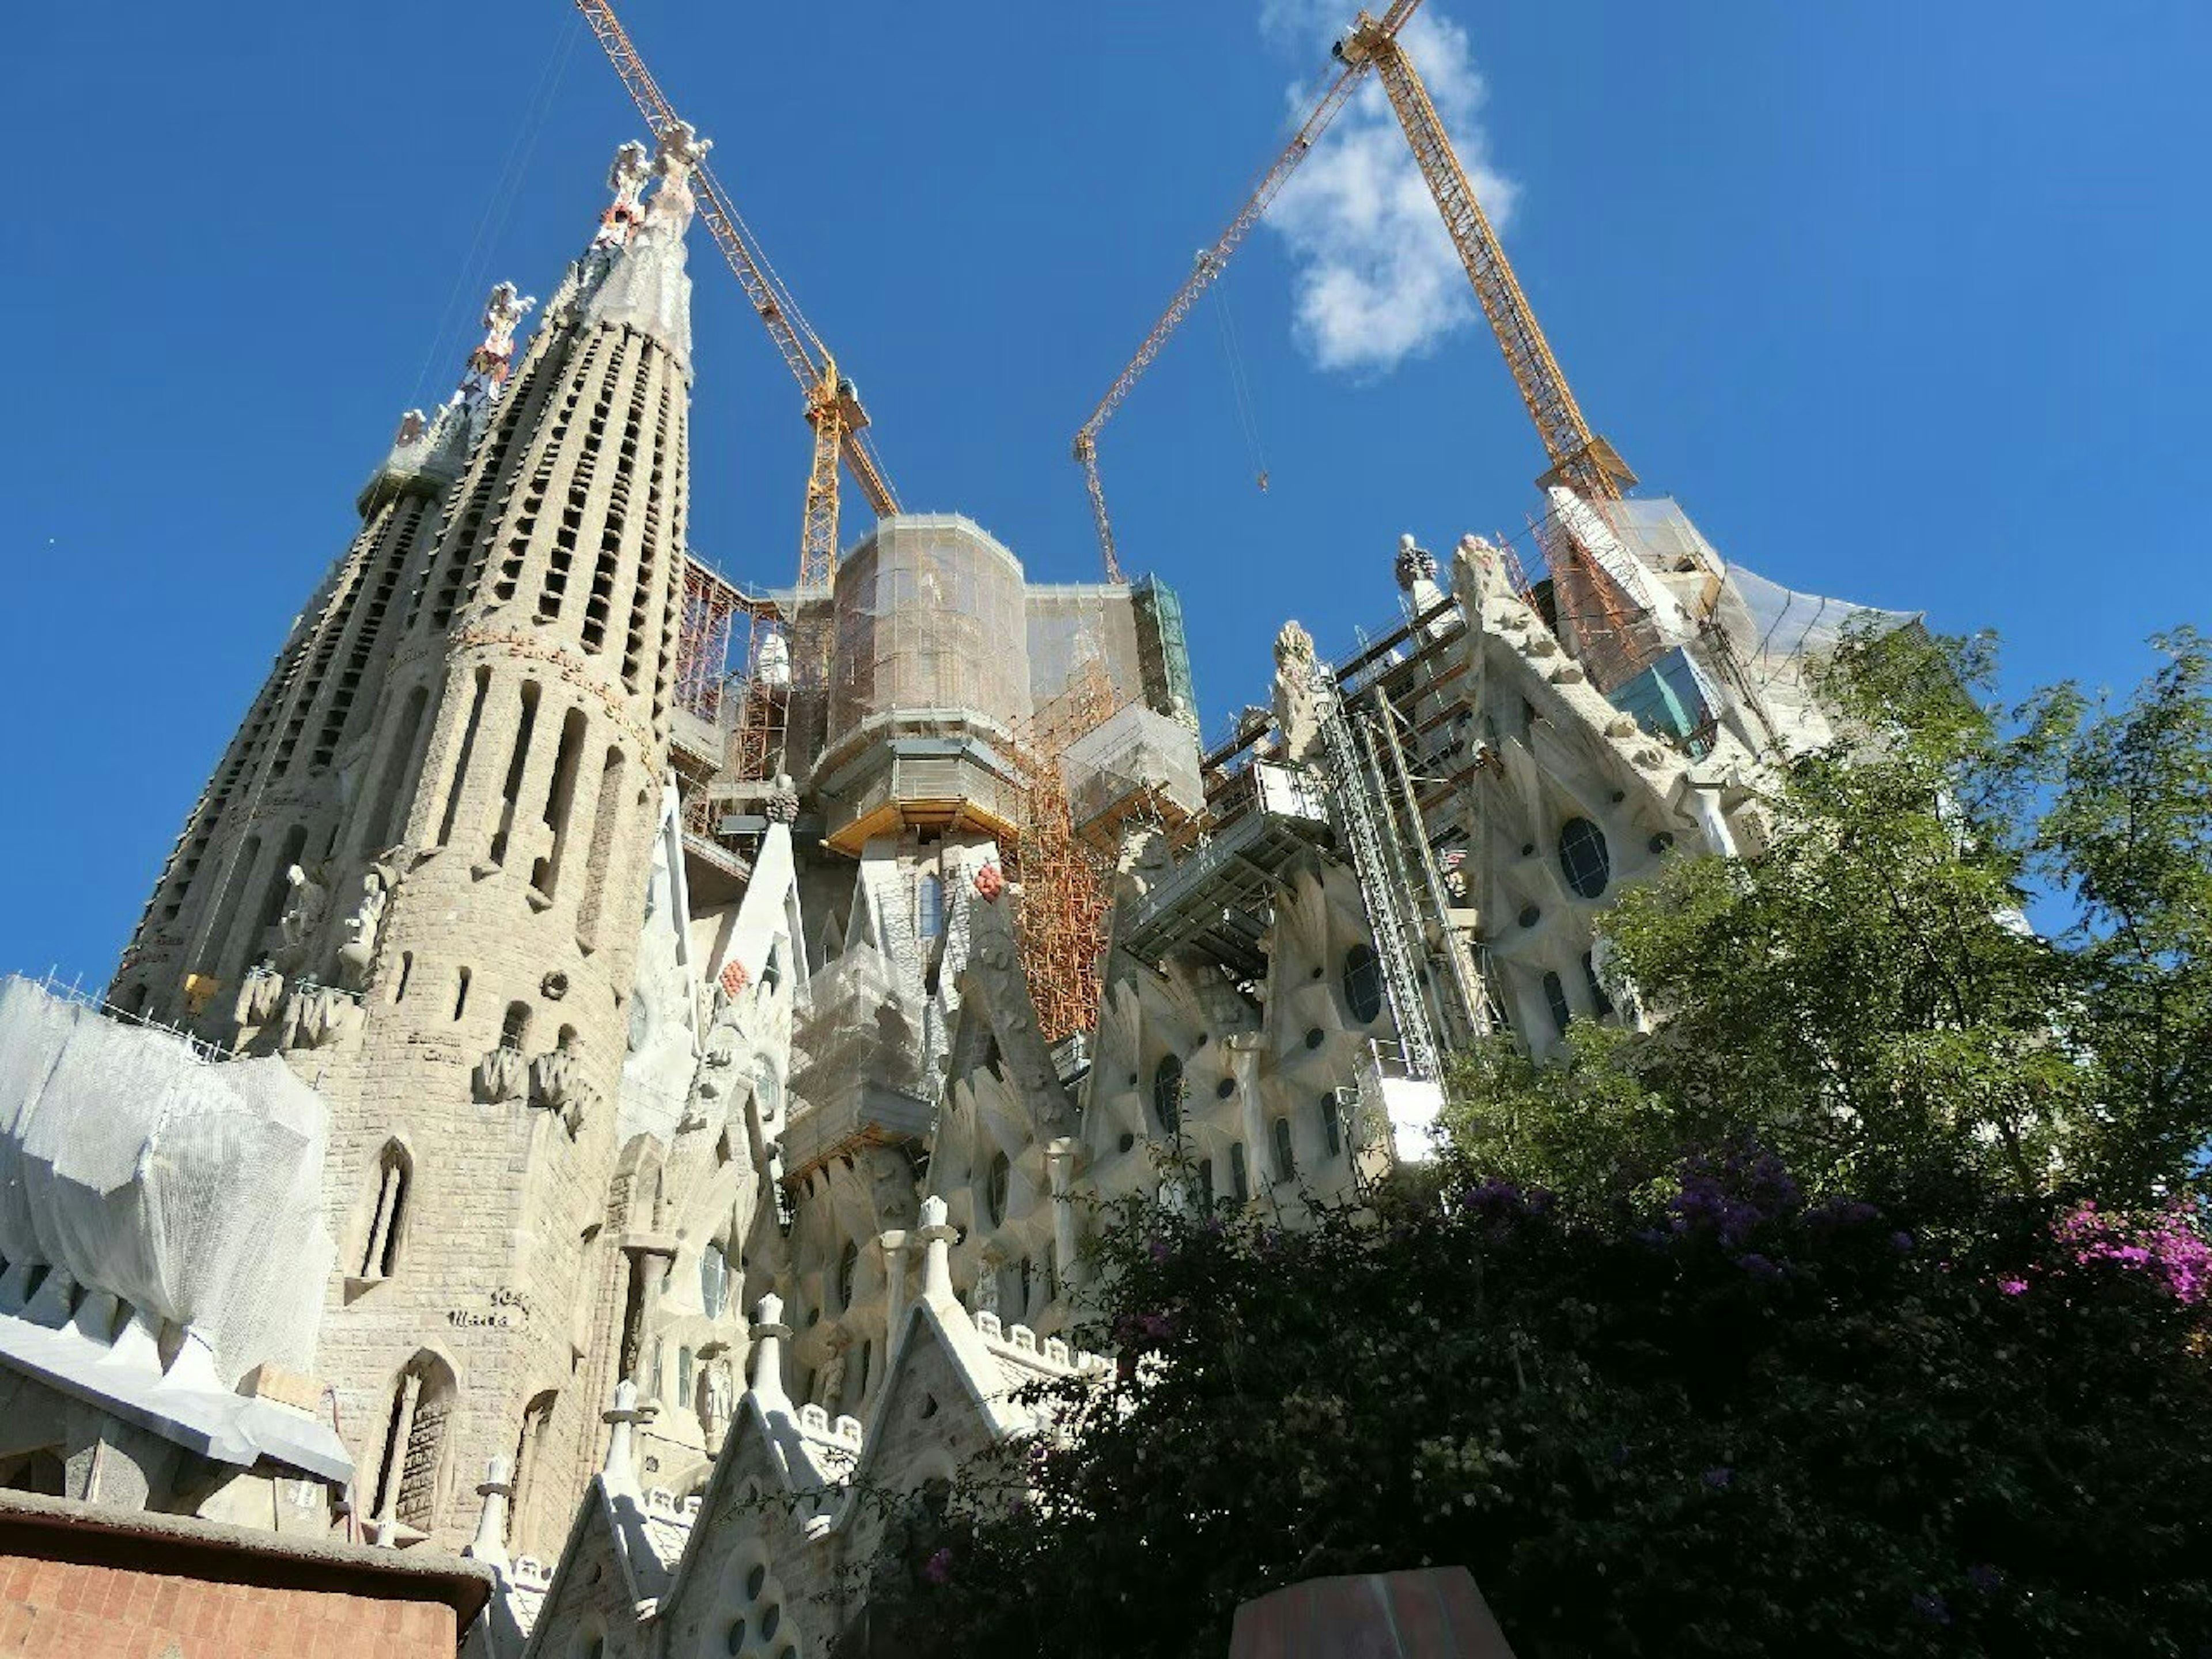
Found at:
<point>499,203</point>
<point>1239,384</point>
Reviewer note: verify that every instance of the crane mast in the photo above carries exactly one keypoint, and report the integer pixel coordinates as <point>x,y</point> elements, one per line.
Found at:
<point>1580,458</point>
<point>833,410</point>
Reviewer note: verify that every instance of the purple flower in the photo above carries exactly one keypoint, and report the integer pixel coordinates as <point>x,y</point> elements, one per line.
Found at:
<point>1161,1249</point>
<point>1932,1608</point>
<point>1719,1478</point>
<point>2012,1287</point>
<point>1985,1578</point>
<point>1759,1267</point>
<point>938,1568</point>
<point>1901,1242</point>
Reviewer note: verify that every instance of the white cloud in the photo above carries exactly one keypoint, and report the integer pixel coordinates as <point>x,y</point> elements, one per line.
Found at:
<point>1377,278</point>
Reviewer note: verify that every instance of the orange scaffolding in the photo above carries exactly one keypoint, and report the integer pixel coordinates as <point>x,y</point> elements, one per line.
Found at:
<point>1066,884</point>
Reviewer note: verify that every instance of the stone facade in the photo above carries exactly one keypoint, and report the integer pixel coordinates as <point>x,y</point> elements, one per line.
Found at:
<point>613,1018</point>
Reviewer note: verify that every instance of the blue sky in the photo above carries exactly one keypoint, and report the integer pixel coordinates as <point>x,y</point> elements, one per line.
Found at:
<point>1904,303</point>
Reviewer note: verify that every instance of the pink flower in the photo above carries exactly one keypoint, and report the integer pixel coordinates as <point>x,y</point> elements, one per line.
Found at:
<point>2012,1287</point>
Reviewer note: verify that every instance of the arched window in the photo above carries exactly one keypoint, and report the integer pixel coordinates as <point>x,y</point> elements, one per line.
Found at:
<point>1331,1122</point>
<point>1555,994</point>
<point>1240,1182</point>
<point>514,1026</point>
<point>409,1480</point>
<point>1001,1179</point>
<point>1285,1162</point>
<point>1585,858</point>
<point>1363,982</point>
<point>387,1219</point>
<point>1599,1000</point>
<point>848,1268</point>
<point>1167,1094</point>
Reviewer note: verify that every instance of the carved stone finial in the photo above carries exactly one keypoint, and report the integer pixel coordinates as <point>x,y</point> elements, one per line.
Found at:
<point>990,882</point>
<point>488,364</point>
<point>621,1474</point>
<point>1415,564</point>
<point>774,668</point>
<point>1296,700</point>
<point>627,178</point>
<point>937,1258</point>
<point>782,806</point>
<point>491,1542</point>
<point>676,156</point>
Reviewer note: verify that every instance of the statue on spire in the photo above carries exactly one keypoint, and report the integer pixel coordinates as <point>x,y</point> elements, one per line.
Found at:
<point>627,178</point>
<point>490,362</point>
<point>677,155</point>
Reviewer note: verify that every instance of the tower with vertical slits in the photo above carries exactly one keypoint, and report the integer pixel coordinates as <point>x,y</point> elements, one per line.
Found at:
<point>418,869</point>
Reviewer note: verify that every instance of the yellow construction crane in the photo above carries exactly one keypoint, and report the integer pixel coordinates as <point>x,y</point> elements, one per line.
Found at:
<point>1580,458</point>
<point>833,409</point>
<point>1209,265</point>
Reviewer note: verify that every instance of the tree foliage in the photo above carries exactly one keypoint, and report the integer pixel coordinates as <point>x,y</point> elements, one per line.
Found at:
<point>1859,1306</point>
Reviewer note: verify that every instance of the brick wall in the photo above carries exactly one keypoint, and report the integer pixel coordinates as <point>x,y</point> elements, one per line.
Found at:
<point>78,1582</point>
<point>75,1610</point>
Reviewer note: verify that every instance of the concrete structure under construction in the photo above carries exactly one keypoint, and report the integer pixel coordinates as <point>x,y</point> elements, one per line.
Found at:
<point>616,1063</point>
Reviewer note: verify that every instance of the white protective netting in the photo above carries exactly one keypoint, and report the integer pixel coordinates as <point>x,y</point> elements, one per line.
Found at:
<point>1777,636</point>
<point>192,1190</point>
<point>931,623</point>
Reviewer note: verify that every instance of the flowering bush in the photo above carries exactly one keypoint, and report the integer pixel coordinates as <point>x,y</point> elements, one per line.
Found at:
<point>1729,1420</point>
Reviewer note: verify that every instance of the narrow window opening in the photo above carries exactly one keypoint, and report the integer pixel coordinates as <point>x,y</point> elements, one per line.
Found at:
<point>388,1217</point>
<point>559,800</point>
<point>518,763</point>
<point>461,993</point>
<point>1240,1180</point>
<point>406,972</point>
<point>461,762</point>
<point>1286,1165</point>
<point>514,1027</point>
<point>397,760</point>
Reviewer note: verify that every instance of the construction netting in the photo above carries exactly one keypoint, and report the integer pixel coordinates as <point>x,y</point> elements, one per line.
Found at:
<point>930,619</point>
<point>1137,755</point>
<point>192,1190</point>
<point>1776,638</point>
<point>1072,628</point>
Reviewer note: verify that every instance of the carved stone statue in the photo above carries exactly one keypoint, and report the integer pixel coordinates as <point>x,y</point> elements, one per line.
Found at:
<point>303,915</point>
<point>501,1075</point>
<point>720,1400</point>
<point>1296,699</point>
<point>627,178</point>
<point>1415,564</point>
<point>1479,573</point>
<point>411,427</point>
<point>773,670</point>
<point>557,1081</point>
<point>830,1380</point>
<point>986,1288</point>
<point>358,953</point>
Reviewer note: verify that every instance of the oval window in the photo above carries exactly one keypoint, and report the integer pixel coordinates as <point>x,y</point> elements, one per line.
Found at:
<point>1167,1094</point>
<point>1585,858</point>
<point>1363,982</point>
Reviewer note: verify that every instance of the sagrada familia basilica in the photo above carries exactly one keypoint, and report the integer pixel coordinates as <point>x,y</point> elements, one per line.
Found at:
<point>578,1099</point>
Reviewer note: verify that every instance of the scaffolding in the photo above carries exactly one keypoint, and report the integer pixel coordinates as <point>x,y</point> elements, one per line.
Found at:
<point>1066,886</point>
